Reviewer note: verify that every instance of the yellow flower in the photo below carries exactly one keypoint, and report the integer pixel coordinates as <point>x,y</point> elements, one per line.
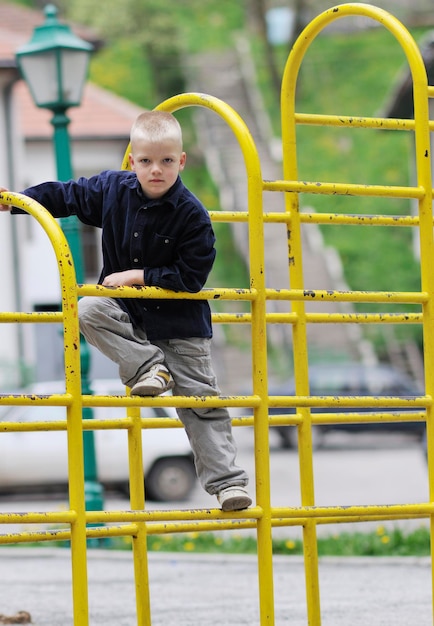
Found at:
<point>385,539</point>
<point>218,541</point>
<point>380,531</point>
<point>156,545</point>
<point>188,546</point>
<point>290,544</point>
<point>194,535</point>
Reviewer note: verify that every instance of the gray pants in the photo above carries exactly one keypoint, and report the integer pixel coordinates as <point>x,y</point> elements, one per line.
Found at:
<point>107,326</point>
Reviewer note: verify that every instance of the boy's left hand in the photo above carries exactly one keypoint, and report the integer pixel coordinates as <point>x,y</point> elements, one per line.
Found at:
<point>128,278</point>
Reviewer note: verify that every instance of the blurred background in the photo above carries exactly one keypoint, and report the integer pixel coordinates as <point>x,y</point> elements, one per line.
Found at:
<point>148,50</point>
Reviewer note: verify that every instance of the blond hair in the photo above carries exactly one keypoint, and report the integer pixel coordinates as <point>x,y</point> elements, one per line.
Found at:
<point>155,126</point>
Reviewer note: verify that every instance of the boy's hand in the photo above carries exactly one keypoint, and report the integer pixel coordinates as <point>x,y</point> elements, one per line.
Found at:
<point>124,279</point>
<point>4,207</point>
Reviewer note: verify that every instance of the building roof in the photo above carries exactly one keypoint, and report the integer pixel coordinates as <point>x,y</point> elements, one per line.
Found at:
<point>101,115</point>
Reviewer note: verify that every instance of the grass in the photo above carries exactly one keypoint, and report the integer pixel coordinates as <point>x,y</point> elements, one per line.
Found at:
<point>383,542</point>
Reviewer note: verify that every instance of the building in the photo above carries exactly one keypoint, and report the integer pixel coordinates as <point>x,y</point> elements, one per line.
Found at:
<point>99,132</point>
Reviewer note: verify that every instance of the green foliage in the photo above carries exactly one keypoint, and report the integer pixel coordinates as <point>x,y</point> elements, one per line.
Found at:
<point>161,32</point>
<point>120,68</point>
<point>197,25</point>
<point>349,74</point>
<point>381,542</point>
<point>354,75</point>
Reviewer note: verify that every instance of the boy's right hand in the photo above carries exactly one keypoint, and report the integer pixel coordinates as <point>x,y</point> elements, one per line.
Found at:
<point>4,207</point>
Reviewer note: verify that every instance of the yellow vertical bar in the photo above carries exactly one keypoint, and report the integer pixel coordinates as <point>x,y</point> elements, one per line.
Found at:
<point>260,388</point>
<point>300,344</point>
<point>137,503</point>
<point>259,336</point>
<point>426,230</point>
<point>68,287</point>
<point>424,180</point>
<point>75,443</point>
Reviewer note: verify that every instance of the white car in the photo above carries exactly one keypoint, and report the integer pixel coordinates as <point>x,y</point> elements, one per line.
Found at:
<point>38,460</point>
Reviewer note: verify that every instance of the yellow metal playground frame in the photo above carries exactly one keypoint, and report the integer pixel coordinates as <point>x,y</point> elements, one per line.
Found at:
<point>137,522</point>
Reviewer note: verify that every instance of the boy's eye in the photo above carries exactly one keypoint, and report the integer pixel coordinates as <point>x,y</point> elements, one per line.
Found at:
<point>168,160</point>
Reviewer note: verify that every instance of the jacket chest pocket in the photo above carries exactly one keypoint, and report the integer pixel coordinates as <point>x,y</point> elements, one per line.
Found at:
<point>160,250</point>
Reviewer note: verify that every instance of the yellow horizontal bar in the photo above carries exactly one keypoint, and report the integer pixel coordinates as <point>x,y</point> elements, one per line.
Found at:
<point>344,189</point>
<point>104,517</point>
<point>34,318</point>
<point>30,537</point>
<point>348,519</point>
<point>364,318</point>
<point>58,517</point>
<point>131,401</point>
<point>319,318</point>
<point>317,295</point>
<point>321,218</point>
<point>347,418</point>
<point>171,401</point>
<point>174,527</point>
<point>315,119</point>
<point>232,318</point>
<point>161,294</point>
<point>229,216</point>
<point>364,512</point>
<point>350,401</point>
<point>36,400</point>
<point>359,220</point>
<point>329,318</point>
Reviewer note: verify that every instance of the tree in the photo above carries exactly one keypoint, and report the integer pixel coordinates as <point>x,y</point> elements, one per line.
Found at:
<point>148,24</point>
<point>258,10</point>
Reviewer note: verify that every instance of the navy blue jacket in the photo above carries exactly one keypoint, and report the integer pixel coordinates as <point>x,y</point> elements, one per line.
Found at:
<point>171,239</point>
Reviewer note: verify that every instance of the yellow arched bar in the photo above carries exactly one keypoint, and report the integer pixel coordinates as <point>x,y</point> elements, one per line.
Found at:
<point>72,398</point>
<point>424,195</point>
<point>258,327</point>
<point>137,523</point>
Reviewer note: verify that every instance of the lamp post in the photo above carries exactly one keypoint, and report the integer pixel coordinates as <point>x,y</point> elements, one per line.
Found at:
<point>54,65</point>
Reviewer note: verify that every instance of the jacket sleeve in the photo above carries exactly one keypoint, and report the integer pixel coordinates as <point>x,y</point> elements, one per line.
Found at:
<point>82,198</point>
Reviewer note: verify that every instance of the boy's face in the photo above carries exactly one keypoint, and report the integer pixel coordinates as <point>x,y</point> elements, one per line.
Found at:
<point>157,165</point>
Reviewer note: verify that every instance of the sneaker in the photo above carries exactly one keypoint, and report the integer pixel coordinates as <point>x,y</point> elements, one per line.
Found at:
<point>234,499</point>
<point>154,382</point>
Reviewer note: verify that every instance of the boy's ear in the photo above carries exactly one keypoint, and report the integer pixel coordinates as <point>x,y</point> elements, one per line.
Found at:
<point>131,160</point>
<point>182,160</point>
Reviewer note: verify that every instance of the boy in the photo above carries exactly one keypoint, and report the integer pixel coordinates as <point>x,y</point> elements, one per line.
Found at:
<point>155,232</point>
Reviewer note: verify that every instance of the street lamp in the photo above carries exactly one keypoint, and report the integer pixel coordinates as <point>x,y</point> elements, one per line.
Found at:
<point>54,64</point>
